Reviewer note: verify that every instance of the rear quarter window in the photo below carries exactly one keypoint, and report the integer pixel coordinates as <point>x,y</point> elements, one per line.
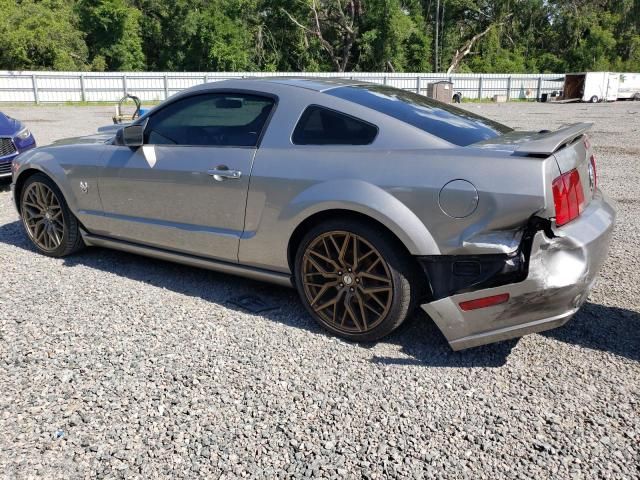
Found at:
<point>449,123</point>
<point>323,126</point>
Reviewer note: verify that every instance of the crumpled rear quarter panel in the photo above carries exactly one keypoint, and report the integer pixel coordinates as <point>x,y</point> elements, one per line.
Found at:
<point>561,272</point>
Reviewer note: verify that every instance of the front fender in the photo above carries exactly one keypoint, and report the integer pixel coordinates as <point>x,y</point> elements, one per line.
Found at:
<point>69,167</point>
<point>367,199</point>
<point>41,160</point>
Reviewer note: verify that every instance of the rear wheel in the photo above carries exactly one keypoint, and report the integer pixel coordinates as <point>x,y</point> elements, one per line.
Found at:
<point>594,99</point>
<point>354,279</point>
<point>49,223</point>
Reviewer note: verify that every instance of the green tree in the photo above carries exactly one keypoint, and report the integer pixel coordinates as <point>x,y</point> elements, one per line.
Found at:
<point>394,38</point>
<point>334,25</point>
<point>322,35</point>
<point>161,35</point>
<point>112,30</point>
<point>587,31</point>
<point>40,35</point>
<point>219,40</point>
<point>288,47</point>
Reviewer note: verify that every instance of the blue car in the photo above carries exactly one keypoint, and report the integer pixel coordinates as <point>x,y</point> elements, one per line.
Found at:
<point>14,139</point>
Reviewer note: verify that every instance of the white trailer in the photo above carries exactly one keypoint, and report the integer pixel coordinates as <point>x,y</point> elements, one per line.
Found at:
<point>601,86</point>
<point>629,86</point>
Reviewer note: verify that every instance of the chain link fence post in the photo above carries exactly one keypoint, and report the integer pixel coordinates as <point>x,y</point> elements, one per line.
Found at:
<point>165,85</point>
<point>539,93</point>
<point>34,82</point>
<point>83,96</point>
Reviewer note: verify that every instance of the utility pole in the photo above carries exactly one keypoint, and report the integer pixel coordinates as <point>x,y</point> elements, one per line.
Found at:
<point>437,17</point>
<point>444,3</point>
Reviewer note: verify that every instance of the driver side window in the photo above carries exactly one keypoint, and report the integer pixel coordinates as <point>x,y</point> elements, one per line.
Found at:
<point>212,119</point>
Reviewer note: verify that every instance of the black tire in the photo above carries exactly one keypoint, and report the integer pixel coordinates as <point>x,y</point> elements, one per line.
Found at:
<point>401,269</point>
<point>71,239</point>
<point>594,99</point>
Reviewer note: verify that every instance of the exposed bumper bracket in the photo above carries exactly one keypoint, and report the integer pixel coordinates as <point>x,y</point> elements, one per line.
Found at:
<point>452,274</point>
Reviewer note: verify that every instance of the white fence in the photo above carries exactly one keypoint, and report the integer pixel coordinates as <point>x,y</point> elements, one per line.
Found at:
<point>36,87</point>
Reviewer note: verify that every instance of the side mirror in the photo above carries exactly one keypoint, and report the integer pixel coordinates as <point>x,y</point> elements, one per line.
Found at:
<point>131,136</point>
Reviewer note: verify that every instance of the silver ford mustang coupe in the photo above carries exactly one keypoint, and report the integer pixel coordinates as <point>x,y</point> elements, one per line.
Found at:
<point>369,200</point>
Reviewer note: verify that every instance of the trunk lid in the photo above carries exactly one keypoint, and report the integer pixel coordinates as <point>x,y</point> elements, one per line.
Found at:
<point>569,146</point>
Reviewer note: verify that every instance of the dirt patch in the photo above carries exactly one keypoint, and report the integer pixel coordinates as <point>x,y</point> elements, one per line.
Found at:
<point>41,120</point>
<point>618,150</point>
<point>628,201</point>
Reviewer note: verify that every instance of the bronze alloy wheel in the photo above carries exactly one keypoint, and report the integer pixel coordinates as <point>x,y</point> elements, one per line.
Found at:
<point>42,216</point>
<point>347,282</point>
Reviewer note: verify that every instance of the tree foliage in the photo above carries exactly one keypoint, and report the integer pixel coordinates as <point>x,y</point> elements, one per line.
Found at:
<point>112,34</point>
<point>37,34</point>
<point>321,35</point>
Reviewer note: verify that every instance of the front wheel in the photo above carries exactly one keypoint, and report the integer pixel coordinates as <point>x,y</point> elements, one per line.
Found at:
<point>49,223</point>
<point>594,99</point>
<point>354,280</point>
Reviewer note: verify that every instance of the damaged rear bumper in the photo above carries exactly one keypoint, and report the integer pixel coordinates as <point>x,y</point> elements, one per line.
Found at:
<point>561,271</point>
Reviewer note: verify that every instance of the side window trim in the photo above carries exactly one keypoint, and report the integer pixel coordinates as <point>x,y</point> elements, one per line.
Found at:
<point>226,91</point>
<point>357,119</point>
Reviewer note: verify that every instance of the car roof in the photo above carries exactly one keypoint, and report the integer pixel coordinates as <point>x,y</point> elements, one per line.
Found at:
<point>316,84</point>
<point>319,84</point>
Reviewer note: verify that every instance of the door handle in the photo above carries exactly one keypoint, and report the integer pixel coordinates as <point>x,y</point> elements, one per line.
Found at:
<point>222,172</point>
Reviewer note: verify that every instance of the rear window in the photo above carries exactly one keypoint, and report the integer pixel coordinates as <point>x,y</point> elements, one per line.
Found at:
<point>323,126</point>
<point>452,124</point>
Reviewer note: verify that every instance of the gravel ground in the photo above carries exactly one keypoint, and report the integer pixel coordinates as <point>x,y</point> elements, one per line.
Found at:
<point>117,366</point>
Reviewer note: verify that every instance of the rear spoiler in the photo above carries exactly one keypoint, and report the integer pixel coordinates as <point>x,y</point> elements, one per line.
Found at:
<point>549,142</point>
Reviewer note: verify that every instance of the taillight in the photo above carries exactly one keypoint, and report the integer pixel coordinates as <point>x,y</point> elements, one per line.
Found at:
<point>593,173</point>
<point>568,197</point>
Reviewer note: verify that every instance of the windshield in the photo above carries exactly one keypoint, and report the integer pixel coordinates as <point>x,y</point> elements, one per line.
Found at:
<point>452,124</point>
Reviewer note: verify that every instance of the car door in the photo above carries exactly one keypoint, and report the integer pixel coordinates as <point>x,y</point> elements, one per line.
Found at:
<point>185,189</point>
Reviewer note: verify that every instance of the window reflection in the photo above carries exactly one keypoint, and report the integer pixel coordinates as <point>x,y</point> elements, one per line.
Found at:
<point>452,124</point>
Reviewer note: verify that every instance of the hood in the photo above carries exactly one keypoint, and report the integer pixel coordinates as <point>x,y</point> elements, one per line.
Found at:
<point>95,138</point>
<point>112,129</point>
<point>8,125</point>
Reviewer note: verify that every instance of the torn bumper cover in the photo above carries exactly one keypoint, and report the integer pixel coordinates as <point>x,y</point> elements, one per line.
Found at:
<point>561,271</point>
